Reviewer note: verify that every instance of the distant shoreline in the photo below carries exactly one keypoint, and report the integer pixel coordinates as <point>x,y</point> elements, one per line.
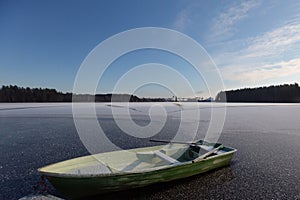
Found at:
<point>287,93</point>
<point>15,94</point>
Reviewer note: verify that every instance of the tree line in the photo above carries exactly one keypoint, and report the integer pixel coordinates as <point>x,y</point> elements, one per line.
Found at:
<point>13,93</point>
<point>287,93</point>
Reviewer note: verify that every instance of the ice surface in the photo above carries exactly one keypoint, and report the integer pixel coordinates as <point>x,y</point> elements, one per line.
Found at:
<point>33,135</point>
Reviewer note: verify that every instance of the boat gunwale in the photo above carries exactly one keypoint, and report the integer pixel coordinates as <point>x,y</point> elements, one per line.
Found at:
<point>120,173</point>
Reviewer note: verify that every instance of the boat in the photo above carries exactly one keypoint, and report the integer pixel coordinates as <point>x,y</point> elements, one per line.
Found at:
<point>126,169</point>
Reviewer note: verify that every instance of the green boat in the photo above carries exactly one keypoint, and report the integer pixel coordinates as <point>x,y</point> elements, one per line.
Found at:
<point>127,169</point>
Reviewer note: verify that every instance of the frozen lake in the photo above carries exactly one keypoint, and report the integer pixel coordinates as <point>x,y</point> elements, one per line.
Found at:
<point>267,137</point>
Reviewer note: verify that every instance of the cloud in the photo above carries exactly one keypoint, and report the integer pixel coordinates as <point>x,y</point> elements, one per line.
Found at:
<point>261,48</point>
<point>265,72</point>
<point>224,24</point>
<point>273,42</point>
<point>264,57</point>
<point>183,20</point>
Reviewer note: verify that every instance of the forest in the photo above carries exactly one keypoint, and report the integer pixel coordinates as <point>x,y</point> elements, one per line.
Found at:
<point>13,93</point>
<point>287,93</point>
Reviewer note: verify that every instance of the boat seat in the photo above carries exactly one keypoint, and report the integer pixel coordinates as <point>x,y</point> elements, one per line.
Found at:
<point>149,155</point>
<point>165,157</point>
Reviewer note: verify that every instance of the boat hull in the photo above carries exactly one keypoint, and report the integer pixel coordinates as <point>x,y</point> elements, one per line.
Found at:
<point>78,187</point>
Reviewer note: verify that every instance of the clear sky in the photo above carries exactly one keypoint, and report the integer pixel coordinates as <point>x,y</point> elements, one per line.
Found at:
<point>253,43</point>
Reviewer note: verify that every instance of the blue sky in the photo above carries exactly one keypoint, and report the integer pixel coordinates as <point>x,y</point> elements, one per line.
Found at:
<point>253,43</point>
